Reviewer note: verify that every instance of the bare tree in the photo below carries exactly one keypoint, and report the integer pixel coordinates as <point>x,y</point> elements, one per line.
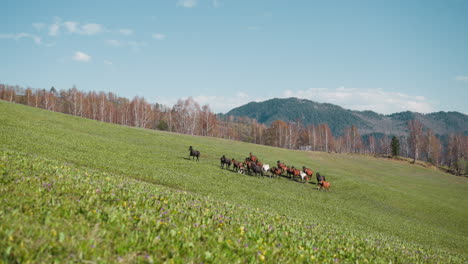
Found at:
<point>371,144</point>
<point>457,152</point>
<point>207,121</point>
<point>415,138</point>
<point>432,147</point>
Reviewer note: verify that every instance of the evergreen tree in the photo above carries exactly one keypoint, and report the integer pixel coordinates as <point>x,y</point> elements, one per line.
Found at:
<point>163,125</point>
<point>395,145</point>
<point>53,90</point>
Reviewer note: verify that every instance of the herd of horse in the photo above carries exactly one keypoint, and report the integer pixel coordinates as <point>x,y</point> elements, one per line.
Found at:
<point>252,166</point>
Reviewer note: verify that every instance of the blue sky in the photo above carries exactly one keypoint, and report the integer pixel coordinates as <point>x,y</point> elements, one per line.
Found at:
<point>386,56</point>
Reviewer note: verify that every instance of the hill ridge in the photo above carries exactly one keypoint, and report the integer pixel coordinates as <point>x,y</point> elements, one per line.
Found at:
<point>337,117</point>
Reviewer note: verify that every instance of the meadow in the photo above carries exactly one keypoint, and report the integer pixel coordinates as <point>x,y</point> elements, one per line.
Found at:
<point>76,190</point>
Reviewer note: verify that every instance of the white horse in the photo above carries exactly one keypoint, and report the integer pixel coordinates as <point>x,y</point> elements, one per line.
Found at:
<point>266,168</point>
<point>303,175</point>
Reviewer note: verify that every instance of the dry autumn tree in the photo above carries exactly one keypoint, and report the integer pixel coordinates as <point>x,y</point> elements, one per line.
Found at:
<point>415,137</point>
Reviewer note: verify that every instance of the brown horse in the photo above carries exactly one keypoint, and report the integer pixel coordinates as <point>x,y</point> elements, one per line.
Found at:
<point>290,172</point>
<point>258,163</point>
<point>325,185</point>
<point>276,171</point>
<point>252,157</point>
<point>307,171</point>
<point>295,172</point>
<point>281,166</point>
<point>236,165</point>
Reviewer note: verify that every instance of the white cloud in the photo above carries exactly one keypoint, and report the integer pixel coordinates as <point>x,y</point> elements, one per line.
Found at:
<point>462,78</point>
<point>376,100</point>
<point>133,44</point>
<point>39,26</point>
<point>71,26</point>
<point>253,28</point>
<point>159,36</point>
<point>108,62</point>
<point>136,44</point>
<point>74,27</point>
<point>114,42</point>
<point>187,3</point>
<point>18,36</point>
<point>91,29</point>
<point>54,29</point>
<point>81,56</point>
<point>126,31</point>
<point>216,3</point>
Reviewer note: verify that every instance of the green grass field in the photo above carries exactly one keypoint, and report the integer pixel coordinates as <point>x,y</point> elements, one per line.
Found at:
<point>75,190</point>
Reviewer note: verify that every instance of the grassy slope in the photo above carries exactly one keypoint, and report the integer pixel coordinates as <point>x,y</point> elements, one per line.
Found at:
<point>54,213</point>
<point>414,204</point>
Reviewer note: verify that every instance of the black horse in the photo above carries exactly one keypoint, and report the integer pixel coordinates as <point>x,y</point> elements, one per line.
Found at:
<point>225,161</point>
<point>254,169</point>
<point>194,153</point>
<point>320,178</point>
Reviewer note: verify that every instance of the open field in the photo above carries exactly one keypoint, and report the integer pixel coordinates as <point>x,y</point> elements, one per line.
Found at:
<point>108,184</point>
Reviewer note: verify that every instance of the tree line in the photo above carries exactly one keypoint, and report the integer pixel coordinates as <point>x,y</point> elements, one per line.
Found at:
<point>188,117</point>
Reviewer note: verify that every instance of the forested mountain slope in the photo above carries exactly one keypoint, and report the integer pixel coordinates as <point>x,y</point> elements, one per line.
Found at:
<point>338,118</point>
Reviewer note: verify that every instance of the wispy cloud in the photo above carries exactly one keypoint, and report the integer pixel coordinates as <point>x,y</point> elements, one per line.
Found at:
<point>108,62</point>
<point>18,36</point>
<point>74,27</point>
<point>54,29</point>
<point>126,31</point>
<point>91,29</point>
<point>253,28</point>
<point>114,42</point>
<point>376,100</point>
<point>120,43</point>
<point>216,3</point>
<point>71,26</point>
<point>81,56</point>
<point>462,78</point>
<point>159,36</point>
<point>187,3</point>
<point>39,26</point>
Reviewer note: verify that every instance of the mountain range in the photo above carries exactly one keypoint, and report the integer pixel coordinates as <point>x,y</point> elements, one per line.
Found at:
<point>368,122</point>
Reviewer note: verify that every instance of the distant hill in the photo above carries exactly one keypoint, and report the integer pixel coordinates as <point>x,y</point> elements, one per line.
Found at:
<point>309,112</point>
